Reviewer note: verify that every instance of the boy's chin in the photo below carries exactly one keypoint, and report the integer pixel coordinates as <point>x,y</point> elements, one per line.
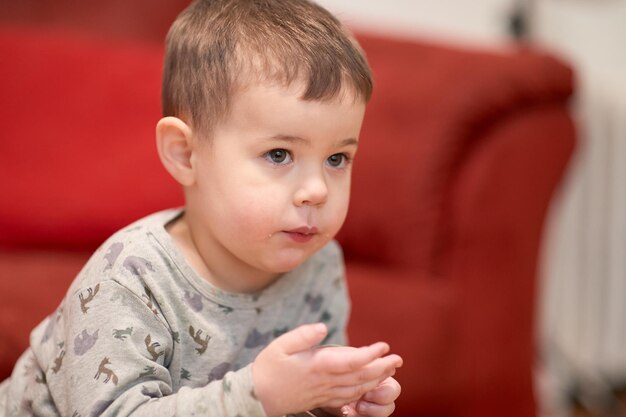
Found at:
<point>286,262</point>
<point>284,267</point>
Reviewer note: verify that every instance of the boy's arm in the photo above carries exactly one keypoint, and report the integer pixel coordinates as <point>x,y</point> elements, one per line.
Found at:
<point>113,353</point>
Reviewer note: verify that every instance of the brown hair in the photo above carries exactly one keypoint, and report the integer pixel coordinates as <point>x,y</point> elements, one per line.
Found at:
<point>215,46</point>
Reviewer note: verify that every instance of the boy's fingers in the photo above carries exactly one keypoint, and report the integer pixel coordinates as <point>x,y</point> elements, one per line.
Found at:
<point>386,392</point>
<point>355,392</point>
<point>379,369</point>
<point>378,402</point>
<point>376,399</point>
<point>302,338</point>
<point>367,409</point>
<point>348,359</point>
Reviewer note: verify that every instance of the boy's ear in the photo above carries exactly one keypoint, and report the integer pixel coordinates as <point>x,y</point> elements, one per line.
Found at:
<point>175,146</point>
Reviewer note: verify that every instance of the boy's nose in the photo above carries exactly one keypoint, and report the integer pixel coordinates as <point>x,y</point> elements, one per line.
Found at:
<point>312,192</point>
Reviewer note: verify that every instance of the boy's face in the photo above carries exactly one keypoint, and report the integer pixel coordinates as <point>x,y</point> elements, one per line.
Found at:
<point>272,183</point>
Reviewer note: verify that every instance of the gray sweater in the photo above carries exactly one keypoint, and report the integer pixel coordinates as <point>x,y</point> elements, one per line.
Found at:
<point>140,333</point>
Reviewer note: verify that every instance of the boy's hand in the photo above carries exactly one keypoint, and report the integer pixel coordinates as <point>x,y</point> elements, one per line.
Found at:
<point>380,402</point>
<point>289,376</point>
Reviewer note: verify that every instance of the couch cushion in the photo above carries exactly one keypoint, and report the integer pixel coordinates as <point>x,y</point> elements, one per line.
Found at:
<point>77,158</point>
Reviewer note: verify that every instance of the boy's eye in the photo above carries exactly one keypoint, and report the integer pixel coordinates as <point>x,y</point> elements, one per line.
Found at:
<point>338,160</point>
<point>278,156</point>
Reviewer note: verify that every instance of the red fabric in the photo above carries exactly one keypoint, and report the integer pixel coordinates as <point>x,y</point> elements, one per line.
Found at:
<point>467,332</point>
<point>77,155</point>
<point>494,231</point>
<point>136,19</point>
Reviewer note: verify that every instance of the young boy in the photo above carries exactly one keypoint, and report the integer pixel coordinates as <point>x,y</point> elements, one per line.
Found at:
<point>222,308</point>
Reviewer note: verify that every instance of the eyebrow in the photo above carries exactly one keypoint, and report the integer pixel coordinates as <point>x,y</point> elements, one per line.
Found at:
<point>289,138</point>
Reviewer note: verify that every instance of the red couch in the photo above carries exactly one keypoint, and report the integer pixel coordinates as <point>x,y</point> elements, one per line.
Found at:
<point>461,153</point>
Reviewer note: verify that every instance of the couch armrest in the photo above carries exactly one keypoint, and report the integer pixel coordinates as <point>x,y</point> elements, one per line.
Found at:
<point>432,108</point>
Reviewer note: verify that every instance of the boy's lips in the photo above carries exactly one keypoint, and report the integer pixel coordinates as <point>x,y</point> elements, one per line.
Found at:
<point>302,234</point>
<point>305,230</point>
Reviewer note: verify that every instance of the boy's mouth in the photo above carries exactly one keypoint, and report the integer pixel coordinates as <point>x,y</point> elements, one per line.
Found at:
<point>302,234</point>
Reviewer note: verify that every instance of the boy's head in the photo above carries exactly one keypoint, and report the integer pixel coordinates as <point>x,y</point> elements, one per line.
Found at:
<point>279,88</point>
<point>218,47</point>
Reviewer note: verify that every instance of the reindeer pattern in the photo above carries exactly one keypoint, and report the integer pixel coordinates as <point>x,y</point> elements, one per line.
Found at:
<point>58,362</point>
<point>202,343</point>
<point>152,348</point>
<point>84,300</point>
<point>108,372</point>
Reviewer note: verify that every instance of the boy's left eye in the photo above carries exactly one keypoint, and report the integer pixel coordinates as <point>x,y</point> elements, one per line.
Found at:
<point>338,160</point>
<point>278,156</point>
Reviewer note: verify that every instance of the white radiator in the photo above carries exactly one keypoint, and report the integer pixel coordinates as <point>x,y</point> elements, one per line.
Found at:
<point>582,313</point>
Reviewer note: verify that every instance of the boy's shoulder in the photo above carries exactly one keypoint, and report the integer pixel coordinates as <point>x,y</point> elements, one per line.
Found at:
<point>130,254</point>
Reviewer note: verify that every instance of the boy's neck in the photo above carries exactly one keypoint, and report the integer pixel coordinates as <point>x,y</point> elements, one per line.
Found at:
<point>227,276</point>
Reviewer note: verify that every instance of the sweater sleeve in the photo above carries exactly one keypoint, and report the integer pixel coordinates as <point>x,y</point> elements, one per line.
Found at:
<point>112,351</point>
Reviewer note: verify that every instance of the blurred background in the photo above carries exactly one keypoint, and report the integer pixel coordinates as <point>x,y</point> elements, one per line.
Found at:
<point>581,368</point>
<point>581,312</point>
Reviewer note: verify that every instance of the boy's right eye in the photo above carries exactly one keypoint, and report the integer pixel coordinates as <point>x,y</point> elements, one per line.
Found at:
<point>278,156</point>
